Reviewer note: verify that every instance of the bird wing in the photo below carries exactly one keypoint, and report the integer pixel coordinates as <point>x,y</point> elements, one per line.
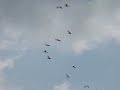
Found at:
<point>74,67</point>
<point>69,32</point>
<point>46,44</point>
<point>68,76</point>
<point>57,39</point>
<point>60,7</point>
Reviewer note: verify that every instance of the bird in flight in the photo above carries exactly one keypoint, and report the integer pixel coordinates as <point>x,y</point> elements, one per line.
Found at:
<point>66,5</point>
<point>69,32</point>
<point>45,51</point>
<point>47,44</point>
<point>74,67</point>
<point>59,7</point>
<point>67,76</point>
<point>86,86</point>
<point>58,40</point>
<point>48,57</point>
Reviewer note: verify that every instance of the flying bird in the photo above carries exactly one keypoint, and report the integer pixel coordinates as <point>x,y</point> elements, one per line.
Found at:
<point>59,7</point>
<point>58,40</point>
<point>67,76</point>
<point>66,5</point>
<point>48,57</point>
<point>45,51</point>
<point>74,67</point>
<point>47,44</point>
<point>69,32</point>
<point>86,86</point>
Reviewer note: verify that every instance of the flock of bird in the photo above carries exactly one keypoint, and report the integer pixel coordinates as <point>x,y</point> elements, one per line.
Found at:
<point>48,45</point>
<point>60,7</point>
<point>45,51</point>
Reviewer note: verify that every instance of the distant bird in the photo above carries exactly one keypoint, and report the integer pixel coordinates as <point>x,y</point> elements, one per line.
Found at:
<point>47,44</point>
<point>59,7</point>
<point>58,40</point>
<point>69,32</point>
<point>74,67</point>
<point>86,86</point>
<point>66,5</point>
<point>48,57</point>
<point>45,51</point>
<point>67,76</point>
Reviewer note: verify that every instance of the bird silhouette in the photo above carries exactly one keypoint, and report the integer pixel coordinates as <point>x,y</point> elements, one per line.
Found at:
<point>69,32</point>
<point>48,57</point>
<point>45,51</point>
<point>59,7</point>
<point>58,40</point>
<point>86,86</point>
<point>67,76</point>
<point>66,5</point>
<point>47,44</point>
<point>74,67</point>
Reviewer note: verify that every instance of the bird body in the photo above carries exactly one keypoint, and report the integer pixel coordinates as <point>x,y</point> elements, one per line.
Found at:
<point>58,40</point>
<point>67,76</point>
<point>59,7</point>
<point>47,44</point>
<point>69,32</point>
<point>86,86</point>
<point>45,51</point>
<point>74,67</point>
<point>48,57</point>
<point>66,5</point>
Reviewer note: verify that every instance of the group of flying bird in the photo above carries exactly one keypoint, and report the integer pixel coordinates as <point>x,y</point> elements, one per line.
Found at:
<point>58,40</point>
<point>60,7</point>
<point>45,51</point>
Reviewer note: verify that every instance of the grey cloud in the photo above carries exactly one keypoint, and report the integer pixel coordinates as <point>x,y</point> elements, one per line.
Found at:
<point>36,22</point>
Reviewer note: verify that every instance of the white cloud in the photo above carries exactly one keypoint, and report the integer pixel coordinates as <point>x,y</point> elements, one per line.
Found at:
<point>68,86</point>
<point>4,65</point>
<point>63,86</point>
<point>80,46</point>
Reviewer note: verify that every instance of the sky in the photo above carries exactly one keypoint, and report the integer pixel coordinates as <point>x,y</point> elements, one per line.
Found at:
<point>93,47</point>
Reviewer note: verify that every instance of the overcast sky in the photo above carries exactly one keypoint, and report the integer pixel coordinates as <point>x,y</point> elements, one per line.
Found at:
<point>93,47</point>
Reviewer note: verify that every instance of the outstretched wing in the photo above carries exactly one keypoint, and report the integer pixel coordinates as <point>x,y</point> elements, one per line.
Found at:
<point>69,32</point>
<point>67,76</point>
<point>48,57</point>
<point>57,39</point>
<point>47,44</point>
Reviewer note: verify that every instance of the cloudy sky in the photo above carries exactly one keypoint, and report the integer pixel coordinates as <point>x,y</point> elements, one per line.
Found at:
<point>93,47</point>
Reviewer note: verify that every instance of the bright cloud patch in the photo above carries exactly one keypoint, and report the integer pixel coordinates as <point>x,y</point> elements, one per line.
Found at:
<point>6,64</point>
<point>80,46</point>
<point>63,86</point>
